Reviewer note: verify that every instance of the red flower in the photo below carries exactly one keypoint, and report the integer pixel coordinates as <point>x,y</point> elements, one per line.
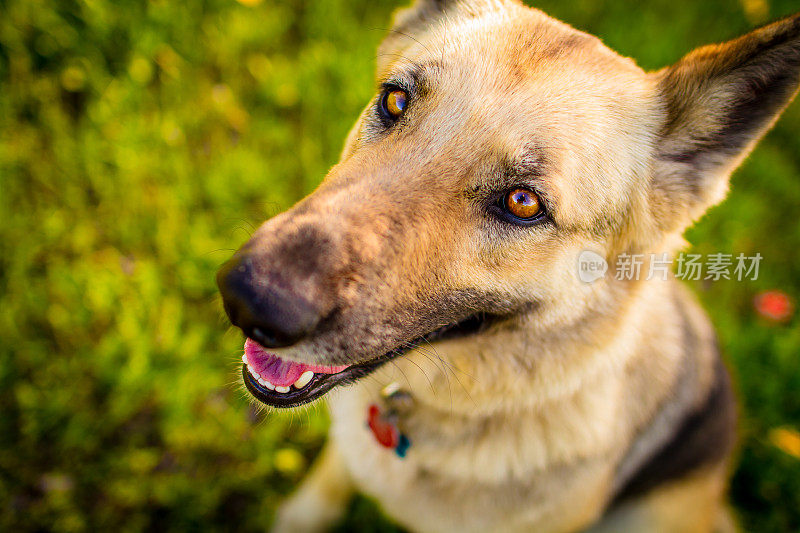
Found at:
<point>774,305</point>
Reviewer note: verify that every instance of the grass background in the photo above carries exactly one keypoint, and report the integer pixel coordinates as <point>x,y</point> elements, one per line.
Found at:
<point>140,143</point>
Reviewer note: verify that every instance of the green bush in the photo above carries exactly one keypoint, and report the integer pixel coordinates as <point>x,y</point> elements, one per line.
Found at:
<point>141,142</point>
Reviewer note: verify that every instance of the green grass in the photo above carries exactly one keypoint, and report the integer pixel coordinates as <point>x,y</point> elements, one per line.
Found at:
<point>140,142</point>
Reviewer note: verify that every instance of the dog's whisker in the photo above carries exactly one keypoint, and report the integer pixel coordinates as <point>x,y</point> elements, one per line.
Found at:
<point>206,254</point>
<point>466,392</point>
<point>444,371</point>
<point>393,30</point>
<point>452,369</point>
<point>408,382</point>
<point>430,383</point>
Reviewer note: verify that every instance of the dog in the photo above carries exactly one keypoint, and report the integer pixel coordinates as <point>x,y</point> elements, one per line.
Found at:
<point>429,285</point>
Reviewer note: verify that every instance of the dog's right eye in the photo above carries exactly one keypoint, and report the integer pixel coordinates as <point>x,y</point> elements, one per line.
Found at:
<point>393,103</point>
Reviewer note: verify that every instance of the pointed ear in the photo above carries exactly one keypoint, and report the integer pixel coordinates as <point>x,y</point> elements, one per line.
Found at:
<point>719,101</point>
<point>423,15</point>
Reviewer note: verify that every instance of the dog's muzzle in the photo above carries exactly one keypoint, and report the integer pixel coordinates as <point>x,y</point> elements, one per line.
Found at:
<point>269,291</point>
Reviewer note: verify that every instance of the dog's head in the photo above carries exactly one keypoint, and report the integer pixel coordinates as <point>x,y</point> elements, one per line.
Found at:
<point>500,144</point>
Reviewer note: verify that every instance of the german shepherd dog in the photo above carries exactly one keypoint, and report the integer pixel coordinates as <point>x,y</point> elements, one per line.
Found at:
<point>430,283</point>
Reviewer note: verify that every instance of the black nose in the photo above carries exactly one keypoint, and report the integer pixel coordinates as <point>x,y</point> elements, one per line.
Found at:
<point>265,308</point>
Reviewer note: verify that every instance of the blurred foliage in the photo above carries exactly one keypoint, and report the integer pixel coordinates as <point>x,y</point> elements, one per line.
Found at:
<point>141,142</point>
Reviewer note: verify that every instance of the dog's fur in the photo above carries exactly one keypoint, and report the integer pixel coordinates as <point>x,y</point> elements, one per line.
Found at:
<point>600,405</point>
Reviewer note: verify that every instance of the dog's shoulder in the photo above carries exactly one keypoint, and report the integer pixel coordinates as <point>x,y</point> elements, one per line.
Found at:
<point>702,436</point>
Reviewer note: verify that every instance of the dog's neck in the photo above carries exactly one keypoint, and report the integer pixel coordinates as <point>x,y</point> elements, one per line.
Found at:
<point>560,398</point>
<point>523,365</point>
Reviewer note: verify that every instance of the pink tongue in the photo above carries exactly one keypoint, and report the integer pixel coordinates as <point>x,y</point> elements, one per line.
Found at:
<point>277,371</point>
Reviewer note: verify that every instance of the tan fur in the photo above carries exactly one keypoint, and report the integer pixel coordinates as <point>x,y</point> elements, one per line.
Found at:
<point>553,432</point>
<point>690,505</point>
<point>537,423</point>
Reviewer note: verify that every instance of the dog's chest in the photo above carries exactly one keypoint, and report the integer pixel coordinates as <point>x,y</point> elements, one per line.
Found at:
<point>474,472</point>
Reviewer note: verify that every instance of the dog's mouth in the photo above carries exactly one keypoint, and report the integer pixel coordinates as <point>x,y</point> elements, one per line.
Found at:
<point>281,383</point>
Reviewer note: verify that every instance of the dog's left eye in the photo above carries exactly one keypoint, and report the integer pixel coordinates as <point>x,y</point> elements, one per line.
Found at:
<point>523,204</point>
<point>393,103</point>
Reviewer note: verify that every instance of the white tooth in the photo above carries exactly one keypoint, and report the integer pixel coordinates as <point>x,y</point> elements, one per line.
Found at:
<point>278,388</point>
<point>303,380</point>
<point>244,359</point>
<point>269,385</point>
<point>261,381</point>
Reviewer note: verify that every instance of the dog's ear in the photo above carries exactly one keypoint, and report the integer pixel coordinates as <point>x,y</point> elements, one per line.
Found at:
<point>718,101</point>
<point>423,15</point>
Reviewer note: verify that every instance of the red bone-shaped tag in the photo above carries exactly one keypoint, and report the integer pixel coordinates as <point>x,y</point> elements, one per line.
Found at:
<point>385,432</point>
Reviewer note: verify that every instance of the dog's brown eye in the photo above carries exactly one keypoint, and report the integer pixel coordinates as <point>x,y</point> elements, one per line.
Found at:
<point>522,203</point>
<point>395,103</point>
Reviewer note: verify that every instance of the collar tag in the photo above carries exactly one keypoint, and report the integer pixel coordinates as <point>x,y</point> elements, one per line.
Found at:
<point>384,428</point>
